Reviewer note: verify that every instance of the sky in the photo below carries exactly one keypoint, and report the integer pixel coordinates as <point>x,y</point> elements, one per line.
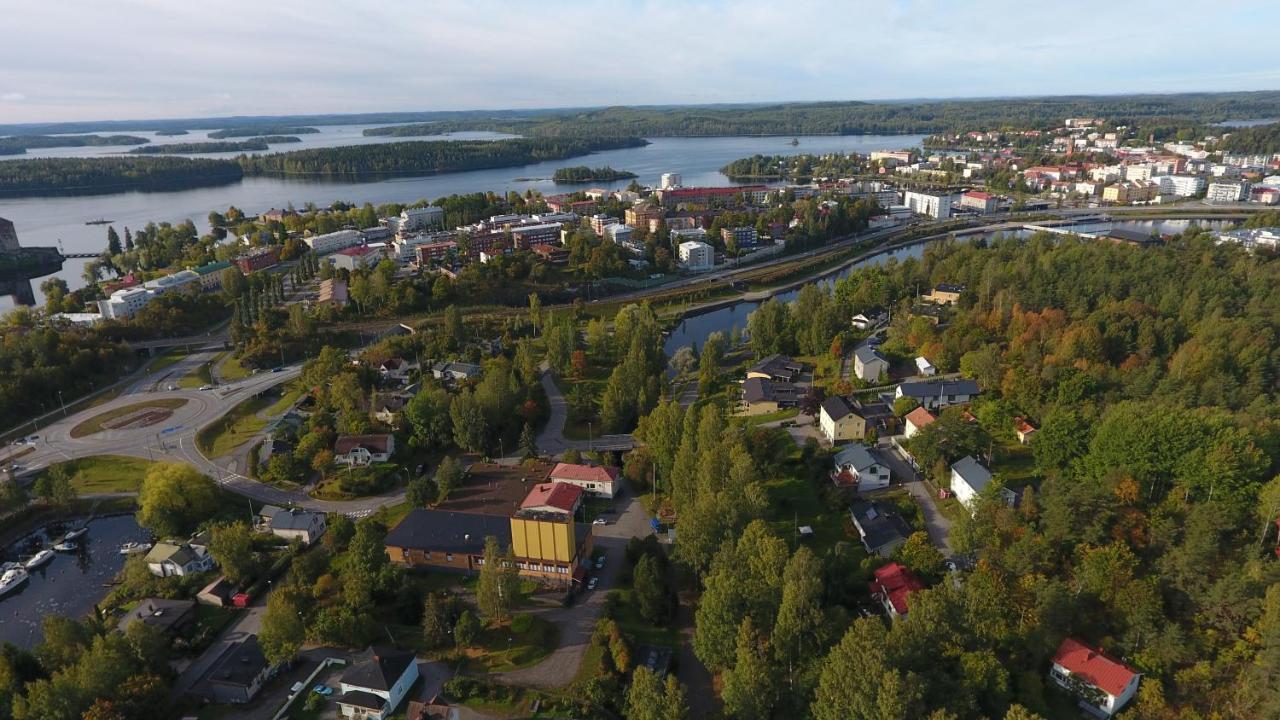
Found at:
<point>137,59</point>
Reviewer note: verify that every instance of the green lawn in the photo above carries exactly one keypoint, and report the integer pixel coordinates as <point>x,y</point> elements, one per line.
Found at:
<point>1014,464</point>
<point>291,392</point>
<point>166,361</point>
<point>503,650</point>
<point>639,629</point>
<point>231,369</point>
<point>783,414</point>
<point>201,376</point>
<point>233,429</point>
<point>95,423</point>
<point>99,474</point>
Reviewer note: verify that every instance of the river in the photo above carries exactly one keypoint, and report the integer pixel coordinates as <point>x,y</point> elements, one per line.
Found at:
<point>54,220</point>
<point>71,584</point>
<point>694,329</point>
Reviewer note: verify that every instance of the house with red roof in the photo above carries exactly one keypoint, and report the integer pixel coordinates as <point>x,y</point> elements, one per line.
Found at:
<point>553,497</point>
<point>892,585</point>
<point>597,480</point>
<point>983,202</point>
<point>1103,684</point>
<point>1023,429</point>
<point>917,420</point>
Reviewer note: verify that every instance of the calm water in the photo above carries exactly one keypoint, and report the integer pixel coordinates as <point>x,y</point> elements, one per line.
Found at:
<point>50,221</point>
<point>1248,123</point>
<point>71,584</point>
<point>696,328</point>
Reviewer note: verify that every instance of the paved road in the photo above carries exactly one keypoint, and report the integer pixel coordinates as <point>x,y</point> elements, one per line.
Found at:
<point>551,441</point>
<point>936,523</point>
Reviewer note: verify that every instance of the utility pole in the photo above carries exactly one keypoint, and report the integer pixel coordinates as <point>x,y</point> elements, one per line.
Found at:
<point>63,404</point>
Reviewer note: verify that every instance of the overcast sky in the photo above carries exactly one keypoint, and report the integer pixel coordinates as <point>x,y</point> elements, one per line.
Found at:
<point>118,59</point>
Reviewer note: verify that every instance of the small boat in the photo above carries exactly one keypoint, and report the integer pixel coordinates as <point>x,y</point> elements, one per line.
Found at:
<point>76,534</point>
<point>133,548</point>
<point>795,142</point>
<point>39,559</point>
<point>99,221</point>
<point>66,547</point>
<point>11,579</point>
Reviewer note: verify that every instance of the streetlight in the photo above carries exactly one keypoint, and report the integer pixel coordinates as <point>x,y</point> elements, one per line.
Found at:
<point>63,404</point>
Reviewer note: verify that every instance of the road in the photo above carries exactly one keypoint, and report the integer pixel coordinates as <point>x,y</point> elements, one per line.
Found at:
<point>551,440</point>
<point>937,524</point>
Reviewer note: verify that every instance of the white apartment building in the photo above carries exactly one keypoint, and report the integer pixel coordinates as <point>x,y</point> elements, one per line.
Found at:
<point>181,280</point>
<point>922,203</point>
<point>124,304</point>
<point>334,241</point>
<point>670,181</point>
<point>412,219</point>
<point>1228,191</point>
<point>1253,238</point>
<point>1180,185</point>
<point>406,246</point>
<point>697,256</point>
<point>619,234</point>
<point>687,234</point>
<point>1137,172</point>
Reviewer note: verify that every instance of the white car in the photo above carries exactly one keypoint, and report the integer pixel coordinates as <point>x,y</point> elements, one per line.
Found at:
<point>206,387</point>
<point>599,521</point>
<point>600,562</point>
<point>591,584</point>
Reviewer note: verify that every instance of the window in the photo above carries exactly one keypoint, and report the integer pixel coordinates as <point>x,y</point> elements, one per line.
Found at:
<point>449,558</point>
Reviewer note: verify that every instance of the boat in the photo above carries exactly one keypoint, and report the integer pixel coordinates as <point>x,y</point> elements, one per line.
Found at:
<point>76,534</point>
<point>133,548</point>
<point>99,221</point>
<point>795,142</point>
<point>40,558</point>
<point>11,579</point>
<point>66,547</point>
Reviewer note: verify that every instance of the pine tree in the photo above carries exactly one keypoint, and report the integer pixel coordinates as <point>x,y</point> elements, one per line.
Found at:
<point>113,241</point>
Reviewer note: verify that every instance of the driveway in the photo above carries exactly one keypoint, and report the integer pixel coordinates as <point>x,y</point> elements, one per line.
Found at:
<point>249,623</point>
<point>936,523</point>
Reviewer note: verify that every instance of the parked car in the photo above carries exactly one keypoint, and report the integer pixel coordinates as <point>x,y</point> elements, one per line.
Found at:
<point>206,387</point>
<point>600,562</point>
<point>323,690</point>
<point>591,584</point>
<point>599,521</point>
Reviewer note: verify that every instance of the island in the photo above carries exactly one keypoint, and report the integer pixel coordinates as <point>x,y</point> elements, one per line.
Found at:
<point>121,173</point>
<point>19,144</point>
<point>583,174</point>
<point>797,168</point>
<point>169,133</point>
<point>261,130</point>
<point>254,145</point>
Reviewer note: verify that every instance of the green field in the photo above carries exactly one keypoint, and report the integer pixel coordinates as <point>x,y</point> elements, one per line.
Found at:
<point>166,361</point>
<point>231,369</point>
<point>504,650</point>
<point>233,429</point>
<point>100,474</point>
<point>201,376</point>
<point>95,423</point>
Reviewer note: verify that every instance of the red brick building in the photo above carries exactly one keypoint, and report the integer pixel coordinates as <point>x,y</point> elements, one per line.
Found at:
<point>258,259</point>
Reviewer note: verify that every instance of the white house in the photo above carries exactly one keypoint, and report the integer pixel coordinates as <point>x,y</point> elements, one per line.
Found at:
<point>168,559</point>
<point>376,683</point>
<point>125,303</point>
<point>916,420</point>
<point>937,394</point>
<point>969,478</point>
<point>696,256</point>
<point>869,364</point>
<point>301,524</point>
<point>1104,684</point>
<point>597,480</point>
<point>361,450</point>
<point>856,466</point>
<point>397,369</point>
<point>925,368</point>
<point>869,319</point>
<point>419,218</point>
<point>839,421</point>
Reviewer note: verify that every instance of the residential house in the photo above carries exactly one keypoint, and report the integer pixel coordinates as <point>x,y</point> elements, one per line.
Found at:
<point>839,422</point>
<point>361,450</point>
<point>397,370</point>
<point>293,523</point>
<point>857,466</point>
<point>778,368</point>
<point>869,364</point>
<point>929,313</point>
<point>937,394</point>
<point>554,497</point>
<point>945,294</point>
<point>1023,429</point>
<point>167,616</point>
<point>433,709</point>
<point>892,584</point>
<point>1105,685</point>
<point>376,683</point>
<point>969,478</point>
<point>597,480</point>
<point>388,406</point>
<point>333,292</point>
<point>869,319</point>
<point>455,371</point>
<point>925,368</point>
<point>917,420</point>
<point>167,559</point>
<point>218,593</point>
<point>237,675</point>
<point>760,396</point>
<point>880,529</point>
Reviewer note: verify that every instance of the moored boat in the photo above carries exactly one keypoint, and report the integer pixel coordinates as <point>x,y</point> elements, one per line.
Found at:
<point>133,548</point>
<point>76,534</point>
<point>66,547</point>
<point>40,558</point>
<point>11,579</point>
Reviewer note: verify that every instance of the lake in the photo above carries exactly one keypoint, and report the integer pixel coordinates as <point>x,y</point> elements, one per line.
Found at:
<point>54,220</point>
<point>71,584</point>
<point>695,329</point>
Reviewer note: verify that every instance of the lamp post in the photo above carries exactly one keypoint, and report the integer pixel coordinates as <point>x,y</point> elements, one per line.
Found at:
<point>63,404</point>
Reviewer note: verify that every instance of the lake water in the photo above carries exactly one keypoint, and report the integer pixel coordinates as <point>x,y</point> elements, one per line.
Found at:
<point>695,329</point>
<point>71,584</point>
<point>60,220</point>
<point>1247,123</point>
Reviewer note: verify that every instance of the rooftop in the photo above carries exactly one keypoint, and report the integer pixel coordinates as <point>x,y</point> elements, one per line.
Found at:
<point>450,532</point>
<point>496,489</point>
<point>374,443</point>
<point>757,389</point>
<point>920,417</point>
<point>878,526</point>
<point>584,473</point>
<point>938,388</point>
<point>972,472</point>
<point>836,407</point>
<point>896,583</point>
<point>561,496</point>
<point>1093,666</point>
<point>378,668</point>
<point>240,665</point>
<point>856,456</point>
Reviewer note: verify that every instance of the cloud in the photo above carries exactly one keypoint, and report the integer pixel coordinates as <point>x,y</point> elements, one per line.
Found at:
<point>12,97</point>
<point>316,56</point>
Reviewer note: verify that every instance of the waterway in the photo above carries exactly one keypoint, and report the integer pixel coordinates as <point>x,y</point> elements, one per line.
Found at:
<point>60,220</point>
<point>71,584</point>
<point>694,329</point>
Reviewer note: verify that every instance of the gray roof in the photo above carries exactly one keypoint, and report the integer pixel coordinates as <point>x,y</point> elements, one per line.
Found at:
<point>445,531</point>
<point>378,668</point>
<point>361,699</point>
<point>159,613</point>
<point>878,526</point>
<point>868,354</point>
<point>857,456</point>
<point>938,387</point>
<point>241,663</point>
<point>293,519</point>
<point>777,366</point>
<point>972,472</point>
<point>761,390</point>
<point>836,407</point>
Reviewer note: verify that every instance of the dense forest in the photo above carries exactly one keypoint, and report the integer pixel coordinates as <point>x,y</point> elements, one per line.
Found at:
<point>259,130</point>
<point>1258,139</point>
<point>797,168</point>
<point>425,158</point>
<point>216,146</point>
<point>853,118</point>
<point>583,173</point>
<point>1147,517</point>
<point>19,144</point>
<point>88,176</point>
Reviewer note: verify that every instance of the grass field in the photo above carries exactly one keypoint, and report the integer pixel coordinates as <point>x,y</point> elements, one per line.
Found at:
<point>166,361</point>
<point>233,429</point>
<point>231,369</point>
<point>503,650</point>
<point>100,474</point>
<point>95,423</point>
<point>201,376</point>
<point>292,390</point>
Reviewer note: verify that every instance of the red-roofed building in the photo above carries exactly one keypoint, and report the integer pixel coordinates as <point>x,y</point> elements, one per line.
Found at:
<point>595,479</point>
<point>554,497</point>
<point>917,420</point>
<point>1104,684</point>
<point>983,202</point>
<point>1023,429</point>
<point>892,585</point>
<point>708,195</point>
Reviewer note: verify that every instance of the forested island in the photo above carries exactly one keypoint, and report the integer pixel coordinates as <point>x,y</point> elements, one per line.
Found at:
<point>797,168</point>
<point>1259,139</point>
<point>170,133</point>
<point>19,144</point>
<point>582,174</point>
<point>426,158</point>
<point>89,176</point>
<point>261,130</point>
<point>253,145</point>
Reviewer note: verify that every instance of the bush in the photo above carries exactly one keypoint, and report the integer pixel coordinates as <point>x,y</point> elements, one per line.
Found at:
<point>521,624</point>
<point>460,687</point>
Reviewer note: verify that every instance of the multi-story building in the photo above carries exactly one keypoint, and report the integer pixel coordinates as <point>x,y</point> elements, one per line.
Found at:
<point>1137,172</point>
<point>526,236</point>
<point>211,275</point>
<point>983,202</point>
<point>686,234</point>
<point>640,216</point>
<point>754,194</point>
<point>669,181</point>
<point>891,157</point>
<point>743,236</point>
<point>697,256</point>
<point>124,304</point>
<point>406,245</point>
<point>600,222</point>
<point>334,241</point>
<point>1252,239</point>
<point>435,252</point>
<point>1228,191</point>
<point>258,259</point>
<point>619,234</point>
<point>1180,185</point>
<point>936,206</point>
<point>412,219</point>
<point>362,256</point>
<point>183,280</point>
